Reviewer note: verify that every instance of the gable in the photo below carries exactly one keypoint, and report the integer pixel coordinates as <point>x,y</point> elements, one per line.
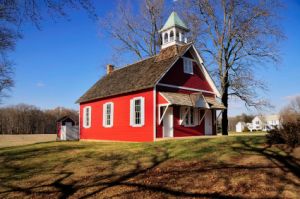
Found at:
<point>176,76</point>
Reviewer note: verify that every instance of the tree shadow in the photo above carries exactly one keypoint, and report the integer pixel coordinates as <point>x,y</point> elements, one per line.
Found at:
<point>161,168</point>
<point>94,185</point>
<point>286,163</point>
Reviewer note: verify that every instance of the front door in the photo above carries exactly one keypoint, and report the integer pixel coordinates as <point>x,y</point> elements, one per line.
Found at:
<point>208,123</point>
<point>168,123</point>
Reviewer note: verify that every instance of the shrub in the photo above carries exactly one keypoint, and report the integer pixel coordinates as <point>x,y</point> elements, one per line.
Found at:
<point>289,134</point>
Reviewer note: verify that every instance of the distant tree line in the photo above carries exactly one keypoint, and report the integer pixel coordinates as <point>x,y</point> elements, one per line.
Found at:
<point>29,119</point>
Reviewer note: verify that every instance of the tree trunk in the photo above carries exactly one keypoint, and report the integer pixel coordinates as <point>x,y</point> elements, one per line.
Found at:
<point>225,102</point>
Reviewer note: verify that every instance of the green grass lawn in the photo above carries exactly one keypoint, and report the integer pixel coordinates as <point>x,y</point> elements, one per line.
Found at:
<point>233,167</point>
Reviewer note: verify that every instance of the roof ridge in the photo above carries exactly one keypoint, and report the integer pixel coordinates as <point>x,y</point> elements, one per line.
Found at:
<point>177,51</point>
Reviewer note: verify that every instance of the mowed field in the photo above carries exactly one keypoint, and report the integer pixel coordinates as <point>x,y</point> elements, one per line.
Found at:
<point>221,167</point>
<point>23,139</point>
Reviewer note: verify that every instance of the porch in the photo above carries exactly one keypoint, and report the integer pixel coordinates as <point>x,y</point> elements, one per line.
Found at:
<point>187,115</point>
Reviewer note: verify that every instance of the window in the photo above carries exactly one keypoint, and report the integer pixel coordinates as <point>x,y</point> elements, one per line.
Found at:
<point>87,117</point>
<point>171,36</point>
<point>108,117</point>
<point>177,36</point>
<point>189,116</point>
<point>137,112</point>
<point>166,38</point>
<point>188,65</point>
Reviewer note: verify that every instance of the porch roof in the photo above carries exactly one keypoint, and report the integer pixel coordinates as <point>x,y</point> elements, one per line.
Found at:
<point>194,100</point>
<point>213,103</point>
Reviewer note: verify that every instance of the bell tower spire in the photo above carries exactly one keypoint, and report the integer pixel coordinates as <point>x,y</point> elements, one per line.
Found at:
<point>173,32</point>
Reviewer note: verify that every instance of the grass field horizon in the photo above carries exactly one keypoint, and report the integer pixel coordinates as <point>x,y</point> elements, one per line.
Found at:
<point>232,167</point>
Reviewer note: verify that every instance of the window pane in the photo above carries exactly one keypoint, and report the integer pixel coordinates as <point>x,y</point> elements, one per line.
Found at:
<point>192,116</point>
<point>137,111</point>
<point>108,115</point>
<point>187,65</point>
<point>186,117</point>
<point>87,117</point>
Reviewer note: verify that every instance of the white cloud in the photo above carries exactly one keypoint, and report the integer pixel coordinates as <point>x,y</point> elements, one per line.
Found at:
<point>291,97</point>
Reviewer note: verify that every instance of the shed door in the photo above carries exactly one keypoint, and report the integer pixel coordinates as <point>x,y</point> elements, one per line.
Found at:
<point>168,123</point>
<point>63,133</point>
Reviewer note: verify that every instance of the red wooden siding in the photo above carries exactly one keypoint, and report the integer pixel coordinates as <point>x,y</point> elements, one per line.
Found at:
<point>181,131</point>
<point>176,76</point>
<point>121,129</point>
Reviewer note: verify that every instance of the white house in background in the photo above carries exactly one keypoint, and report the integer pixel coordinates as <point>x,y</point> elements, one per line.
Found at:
<point>264,123</point>
<point>240,126</point>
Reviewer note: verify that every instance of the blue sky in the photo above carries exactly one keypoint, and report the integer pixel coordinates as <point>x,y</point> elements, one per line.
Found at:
<point>55,66</point>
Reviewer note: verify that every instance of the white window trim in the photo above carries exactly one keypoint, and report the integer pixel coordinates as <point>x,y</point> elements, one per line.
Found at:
<point>132,113</point>
<point>182,117</point>
<point>84,117</point>
<point>192,69</point>
<point>105,115</point>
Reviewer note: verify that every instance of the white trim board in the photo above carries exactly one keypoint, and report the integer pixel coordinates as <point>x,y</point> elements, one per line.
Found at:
<point>185,88</point>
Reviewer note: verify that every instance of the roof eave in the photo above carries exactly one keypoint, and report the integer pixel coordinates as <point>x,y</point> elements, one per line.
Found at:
<point>123,93</point>
<point>167,28</point>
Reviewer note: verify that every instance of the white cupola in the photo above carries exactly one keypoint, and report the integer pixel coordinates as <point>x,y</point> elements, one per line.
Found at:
<point>173,32</point>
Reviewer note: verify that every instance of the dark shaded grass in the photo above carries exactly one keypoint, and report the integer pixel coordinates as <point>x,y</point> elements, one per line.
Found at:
<point>161,169</point>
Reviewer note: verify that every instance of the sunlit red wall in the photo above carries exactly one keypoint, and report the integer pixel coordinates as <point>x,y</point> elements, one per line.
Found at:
<point>121,129</point>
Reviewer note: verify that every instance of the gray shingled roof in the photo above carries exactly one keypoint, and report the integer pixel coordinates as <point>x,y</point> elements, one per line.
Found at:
<point>194,100</point>
<point>213,103</point>
<point>138,76</point>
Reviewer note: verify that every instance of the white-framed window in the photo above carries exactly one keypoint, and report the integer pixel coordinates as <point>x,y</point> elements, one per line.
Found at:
<point>187,65</point>
<point>189,116</point>
<point>166,38</point>
<point>171,36</point>
<point>87,116</point>
<point>108,114</point>
<point>137,111</point>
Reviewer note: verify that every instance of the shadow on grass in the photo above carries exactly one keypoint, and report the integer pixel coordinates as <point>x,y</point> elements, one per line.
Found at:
<point>65,183</point>
<point>286,162</point>
<point>91,186</point>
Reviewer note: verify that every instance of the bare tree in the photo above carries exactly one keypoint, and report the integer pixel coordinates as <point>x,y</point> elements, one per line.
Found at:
<point>6,81</point>
<point>291,113</point>
<point>236,36</point>
<point>136,32</point>
<point>14,12</point>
